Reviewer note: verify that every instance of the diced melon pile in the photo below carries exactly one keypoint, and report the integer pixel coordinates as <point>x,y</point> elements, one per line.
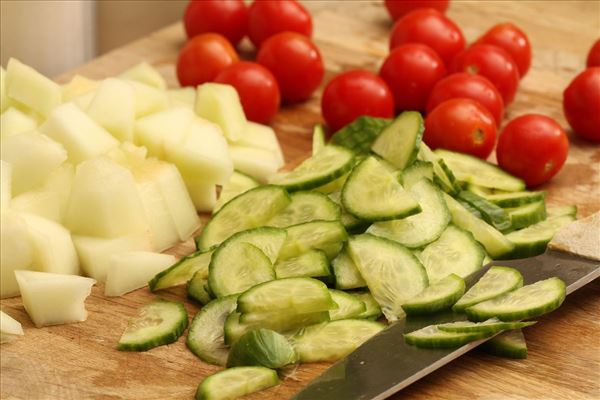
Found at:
<point>99,177</point>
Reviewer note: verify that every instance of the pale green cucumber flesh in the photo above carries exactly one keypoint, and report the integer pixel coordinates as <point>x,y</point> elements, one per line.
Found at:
<point>350,222</point>
<point>327,236</point>
<point>372,311</point>
<point>348,305</point>
<point>531,241</point>
<point>490,212</point>
<point>237,184</point>
<point>510,344</point>
<point>495,282</point>
<point>346,273</point>
<point>197,289</point>
<point>417,171</point>
<point>261,347</point>
<point>433,338</point>
<point>491,326</point>
<point>312,264</point>
<point>236,382</point>
<point>399,142</point>
<point>306,207</point>
<point>515,199</point>
<point>318,138</point>
<point>528,214</point>
<point>439,296</point>
<point>182,271</point>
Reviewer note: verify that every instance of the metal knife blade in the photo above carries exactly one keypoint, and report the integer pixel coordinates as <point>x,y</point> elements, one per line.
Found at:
<point>385,364</point>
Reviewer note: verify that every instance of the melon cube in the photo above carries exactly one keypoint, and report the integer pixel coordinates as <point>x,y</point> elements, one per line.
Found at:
<point>259,163</point>
<point>83,102</point>
<point>10,328</point>
<point>148,100</point>
<point>113,108</point>
<point>146,74</point>
<point>60,182</point>
<point>17,251</point>
<point>43,203</point>
<point>128,155</point>
<point>81,136</point>
<point>3,97</point>
<point>151,131</point>
<point>203,194</point>
<point>182,97</point>
<point>77,87</point>
<point>33,157</point>
<point>221,104</point>
<point>5,185</point>
<point>31,88</point>
<point>14,121</point>
<point>262,137</point>
<point>132,270</point>
<point>95,253</point>
<point>53,299</point>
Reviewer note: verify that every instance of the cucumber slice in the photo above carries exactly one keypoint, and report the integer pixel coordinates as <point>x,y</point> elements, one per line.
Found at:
<point>327,236</point>
<point>493,240</point>
<point>157,323</point>
<point>306,207</point>
<point>325,166</point>
<point>393,274</point>
<point>491,213</point>
<point>197,289</point>
<point>331,341</point>
<point>561,211</point>
<point>470,208</point>
<point>495,282</point>
<point>373,311</point>
<point>268,239</point>
<point>372,193</point>
<point>318,138</point>
<point>442,175</point>
<point>399,142</point>
<point>509,344</point>
<point>526,302</point>
<point>439,296</point>
<point>482,191</point>
<point>182,271</point>
<point>479,172</point>
<point>236,382</point>
<point>312,264</point>
<point>236,267</point>
<point>261,347</point>
<point>514,199</point>
<point>248,210</point>
<point>431,337</point>
<point>417,171</point>
<point>455,252</point>
<point>299,295</point>
<point>349,221</point>
<point>346,273</point>
<point>533,240</point>
<point>420,229</point>
<point>205,337</point>
<point>348,305</point>
<point>359,135</point>
<point>528,214</point>
<point>490,327</point>
<point>333,186</point>
<point>237,184</point>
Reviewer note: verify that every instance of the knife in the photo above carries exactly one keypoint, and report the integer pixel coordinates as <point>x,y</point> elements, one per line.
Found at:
<point>385,364</point>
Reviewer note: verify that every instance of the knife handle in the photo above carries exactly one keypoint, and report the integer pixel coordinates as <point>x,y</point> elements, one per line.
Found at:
<point>581,238</point>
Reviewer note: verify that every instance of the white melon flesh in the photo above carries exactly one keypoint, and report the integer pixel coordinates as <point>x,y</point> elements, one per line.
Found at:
<point>5,185</point>
<point>17,251</point>
<point>3,97</point>
<point>145,73</point>
<point>201,153</point>
<point>31,88</point>
<point>128,155</point>
<point>185,97</point>
<point>78,86</point>
<point>204,195</point>
<point>53,299</point>
<point>104,201</point>
<point>95,253</point>
<point>221,104</point>
<point>10,328</point>
<point>14,121</point>
<point>60,182</point>
<point>83,102</point>
<point>151,131</point>
<point>43,203</point>
<point>132,270</point>
<point>33,157</point>
<point>148,100</point>
<point>262,137</point>
<point>258,163</point>
<point>113,108</point>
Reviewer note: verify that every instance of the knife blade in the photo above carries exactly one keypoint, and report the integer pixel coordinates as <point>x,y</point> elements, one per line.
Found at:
<point>385,364</point>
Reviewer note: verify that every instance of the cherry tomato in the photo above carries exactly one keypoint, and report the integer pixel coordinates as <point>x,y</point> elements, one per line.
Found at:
<point>355,93</point>
<point>593,59</point>
<point>296,63</point>
<point>257,87</point>
<point>398,8</point>
<point>430,27</point>
<point>227,17</point>
<point>581,103</point>
<point>203,57</point>
<point>513,40</point>
<point>493,63</point>
<point>532,147</point>
<point>268,17</point>
<point>461,125</point>
<point>411,71</point>
<point>469,86</point>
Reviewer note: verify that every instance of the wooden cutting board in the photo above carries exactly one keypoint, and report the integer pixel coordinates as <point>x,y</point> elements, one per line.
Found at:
<point>80,361</point>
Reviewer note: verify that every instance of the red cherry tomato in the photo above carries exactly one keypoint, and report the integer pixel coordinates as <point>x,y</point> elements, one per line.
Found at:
<point>461,125</point>
<point>203,57</point>
<point>399,8</point>
<point>469,86</point>
<point>493,63</point>
<point>227,17</point>
<point>355,93</point>
<point>532,147</point>
<point>430,27</point>
<point>268,17</point>
<point>513,40</point>
<point>581,103</point>
<point>296,63</point>
<point>411,71</point>
<point>593,59</point>
<point>257,87</point>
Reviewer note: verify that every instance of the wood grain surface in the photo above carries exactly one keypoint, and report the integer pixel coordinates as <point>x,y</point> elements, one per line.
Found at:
<point>80,361</point>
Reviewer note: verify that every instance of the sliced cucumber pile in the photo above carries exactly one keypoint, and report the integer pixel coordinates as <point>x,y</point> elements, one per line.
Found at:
<point>417,171</point>
<point>490,327</point>
<point>306,207</point>
<point>495,282</point>
<point>490,212</point>
<point>436,297</point>
<point>236,382</point>
<point>372,308</point>
<point>399,142</point>
<point>534,239</point>
<point>348,305</point>
<point>312,264</point>
<point>327,236</point>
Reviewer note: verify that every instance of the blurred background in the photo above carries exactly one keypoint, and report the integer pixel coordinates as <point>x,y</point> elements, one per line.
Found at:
<point>54,36</point>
